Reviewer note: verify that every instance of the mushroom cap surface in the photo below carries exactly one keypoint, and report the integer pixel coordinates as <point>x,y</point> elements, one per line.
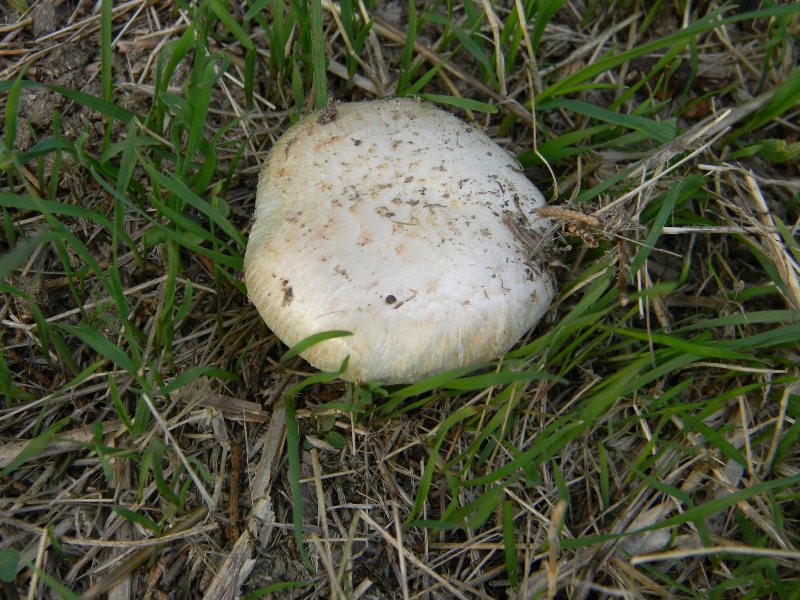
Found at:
<point>398,222</point>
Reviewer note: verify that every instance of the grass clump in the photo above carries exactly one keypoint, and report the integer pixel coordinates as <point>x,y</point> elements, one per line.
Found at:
<point>155,438</point>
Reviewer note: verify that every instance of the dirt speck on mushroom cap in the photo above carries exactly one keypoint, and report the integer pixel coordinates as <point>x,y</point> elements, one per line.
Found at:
<point>393,221</point>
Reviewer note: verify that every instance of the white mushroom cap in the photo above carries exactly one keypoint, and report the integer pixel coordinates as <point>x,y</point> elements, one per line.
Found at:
<point>396,221</point>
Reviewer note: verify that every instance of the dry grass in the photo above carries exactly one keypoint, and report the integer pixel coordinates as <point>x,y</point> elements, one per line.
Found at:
<point>641,442</point>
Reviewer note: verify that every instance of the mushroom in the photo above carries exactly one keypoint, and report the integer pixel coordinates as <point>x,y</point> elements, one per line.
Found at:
<point>396,221</point>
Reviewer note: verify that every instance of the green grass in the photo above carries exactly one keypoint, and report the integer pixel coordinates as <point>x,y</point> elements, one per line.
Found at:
<point>665,376</point>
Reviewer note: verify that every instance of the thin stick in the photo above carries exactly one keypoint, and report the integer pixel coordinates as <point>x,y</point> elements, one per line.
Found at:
<point>690,552</point>
<point>413,559</point>
<point>401,557</point>
<point>168,435</point>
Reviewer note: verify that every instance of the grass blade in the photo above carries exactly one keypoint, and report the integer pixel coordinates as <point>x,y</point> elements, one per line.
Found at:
<point>318,60</point>
<point>311,340</point>
<point>463,103</point>
<point>32,448</point>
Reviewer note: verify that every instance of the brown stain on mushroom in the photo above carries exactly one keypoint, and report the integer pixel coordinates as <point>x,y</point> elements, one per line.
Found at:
<point>291,142</point>
<point>403,301</point>
<point>327,142</point>
<point>288,293</point>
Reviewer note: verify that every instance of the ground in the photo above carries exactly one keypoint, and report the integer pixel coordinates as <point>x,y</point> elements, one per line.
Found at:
<point>641,441</point>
